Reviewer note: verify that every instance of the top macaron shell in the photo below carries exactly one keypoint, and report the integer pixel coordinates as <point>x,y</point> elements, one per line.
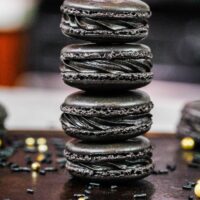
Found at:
<point>128,8</point>
<point>111,21</point>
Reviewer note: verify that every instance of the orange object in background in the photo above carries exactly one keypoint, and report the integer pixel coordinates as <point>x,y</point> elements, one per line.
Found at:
<point>12,56</point>
<point>16,17</point>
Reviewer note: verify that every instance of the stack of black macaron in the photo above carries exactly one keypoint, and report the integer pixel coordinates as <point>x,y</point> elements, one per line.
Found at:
<point>107,120</point>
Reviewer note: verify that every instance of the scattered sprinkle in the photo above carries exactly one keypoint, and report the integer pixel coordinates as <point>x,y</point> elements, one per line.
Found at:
<point>87,191</point>
<point>171,167</point>
<point>42,172</point>
<point>79,195</point>
<point>139,196</point>
<point>113,187</point>
<point>187,187</point>
<point>30,191</point>
<point>94,184</point>
<point>50,169</point>
<point>190,197</point>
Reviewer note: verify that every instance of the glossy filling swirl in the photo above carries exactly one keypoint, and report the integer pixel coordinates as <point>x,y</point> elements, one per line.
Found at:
<point>100,123</point>
<point>90,24</point>
<point>115,166</point>
<point>109,66</point>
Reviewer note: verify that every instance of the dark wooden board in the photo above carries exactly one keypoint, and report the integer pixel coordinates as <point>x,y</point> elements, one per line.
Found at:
<point>60,186</point>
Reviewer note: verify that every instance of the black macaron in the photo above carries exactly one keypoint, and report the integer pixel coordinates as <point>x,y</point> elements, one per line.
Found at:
<point>114,161</point>
<point>106,117</point>
<point>105,20</point>
<point>106,67</point>
<point>189,125</point>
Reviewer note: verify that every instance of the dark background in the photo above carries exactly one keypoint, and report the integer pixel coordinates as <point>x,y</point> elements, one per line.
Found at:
<point>174,39</point>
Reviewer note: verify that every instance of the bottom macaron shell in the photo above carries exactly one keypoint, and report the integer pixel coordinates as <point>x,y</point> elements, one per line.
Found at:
<point>118,133</point>
<point>87,172</point>
<point>100,81</point>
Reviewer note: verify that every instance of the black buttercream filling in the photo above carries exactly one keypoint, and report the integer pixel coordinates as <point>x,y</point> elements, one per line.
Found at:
<point>91,24</point>
<point>114,66</point>
<point>103,123</point>
<point>124,165</point>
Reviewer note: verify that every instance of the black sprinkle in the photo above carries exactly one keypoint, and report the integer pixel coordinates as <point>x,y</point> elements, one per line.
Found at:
<point>3,164</point>
<point>164,171</point>
<point>79,195</point>
<point>171,167</point>
<point>25,169</point>
<point>50,169</point>
<point>16,169</point>
<point>190,197</point>
<point>14,165</point>
<point>155,172</point>
<point>89,187</point>
<point>87,191</point>
<point>160,172</point>
<point>94,184</point>
<point>191,183</point>
<point>42,172</point>
<point>61,160</point>
<point>187,187</point>
<point>28,160</point>
<point>139,196</point>
<point>30,191</point>
<point>113,187</point>
<point>3,159</point>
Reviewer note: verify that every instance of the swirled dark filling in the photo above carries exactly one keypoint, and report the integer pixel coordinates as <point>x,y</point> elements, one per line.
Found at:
<point>91,24</point>
<point>114,66</point>
<point>100,123</point>
<point>125,165</point>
